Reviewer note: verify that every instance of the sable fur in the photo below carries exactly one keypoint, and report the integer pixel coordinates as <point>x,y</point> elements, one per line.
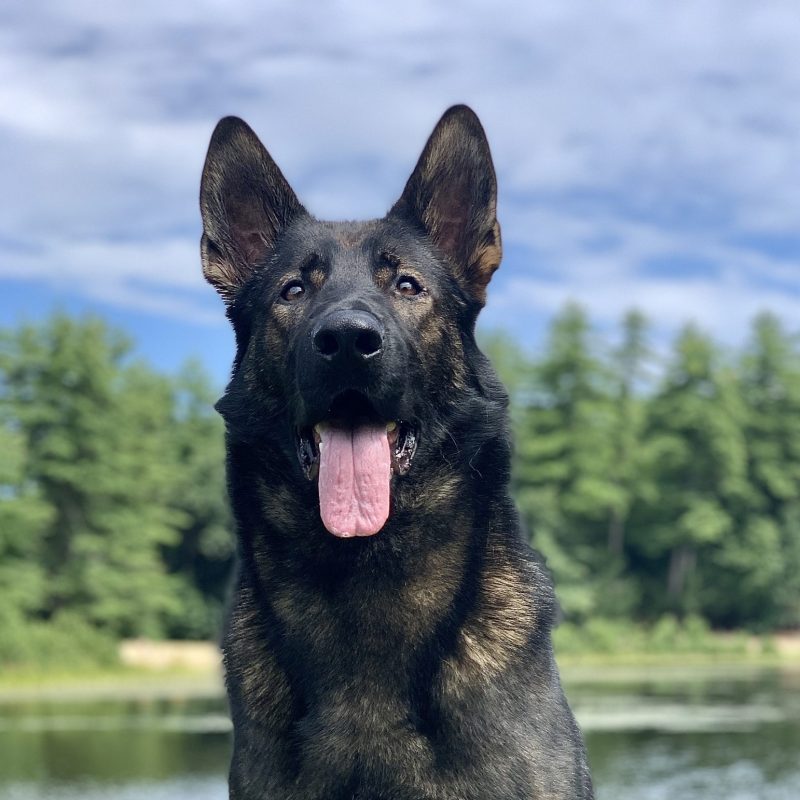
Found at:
<point>417,663</point>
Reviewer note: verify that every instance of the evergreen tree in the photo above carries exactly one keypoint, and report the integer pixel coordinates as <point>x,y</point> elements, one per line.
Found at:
<point>202,557</point>
<point>24,519</point>
<point>697,458</point>
<point>565,485</point>
<point>682,499</point>
<point>630,373</point>
<point>763,562</point>
<point>94,428</point>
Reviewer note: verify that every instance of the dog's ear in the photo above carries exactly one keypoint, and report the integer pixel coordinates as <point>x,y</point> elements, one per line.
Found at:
<point>452,194</point>
<point>245,203</point>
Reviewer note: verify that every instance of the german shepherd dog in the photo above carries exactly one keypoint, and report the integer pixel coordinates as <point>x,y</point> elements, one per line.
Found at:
<point>389,631</point>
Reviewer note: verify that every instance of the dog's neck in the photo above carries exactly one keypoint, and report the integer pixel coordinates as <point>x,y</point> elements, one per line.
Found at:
<point>397,618</point>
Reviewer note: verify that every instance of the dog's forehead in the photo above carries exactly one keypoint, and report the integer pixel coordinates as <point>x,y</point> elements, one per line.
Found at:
<point>352,235</point>
<point>329,239</point>
<point>345,241</point>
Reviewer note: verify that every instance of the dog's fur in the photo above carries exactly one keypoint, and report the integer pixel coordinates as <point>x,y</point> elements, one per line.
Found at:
<point>415,663</point>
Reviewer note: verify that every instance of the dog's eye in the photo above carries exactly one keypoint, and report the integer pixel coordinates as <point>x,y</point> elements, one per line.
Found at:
<point>293,291</point>
<point>406,285</point>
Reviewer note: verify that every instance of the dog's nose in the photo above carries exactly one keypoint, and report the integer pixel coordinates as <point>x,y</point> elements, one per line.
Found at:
<point>347,335</point>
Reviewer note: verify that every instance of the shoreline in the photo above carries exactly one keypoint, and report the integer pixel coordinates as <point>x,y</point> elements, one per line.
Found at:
<point>193,670</point>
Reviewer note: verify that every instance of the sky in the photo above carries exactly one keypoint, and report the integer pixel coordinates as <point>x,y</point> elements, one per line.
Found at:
<point>648,153</point>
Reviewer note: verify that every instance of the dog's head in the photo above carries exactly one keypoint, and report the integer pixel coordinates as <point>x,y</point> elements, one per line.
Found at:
<point>355,348</point>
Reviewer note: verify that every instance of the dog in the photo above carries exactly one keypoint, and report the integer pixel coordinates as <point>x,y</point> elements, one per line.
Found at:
<point>389,631</point>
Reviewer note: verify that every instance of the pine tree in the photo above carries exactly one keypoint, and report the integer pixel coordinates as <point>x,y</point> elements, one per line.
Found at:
<point>565,484</point>
<point>202,557</point>
<point>763,563</point>
<point>630,374</point>
<point>24,519</point>
<point>697,457</point>
<point>94,428</point>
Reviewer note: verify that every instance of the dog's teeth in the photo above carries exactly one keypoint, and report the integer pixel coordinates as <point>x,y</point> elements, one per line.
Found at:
<point>390,426</point>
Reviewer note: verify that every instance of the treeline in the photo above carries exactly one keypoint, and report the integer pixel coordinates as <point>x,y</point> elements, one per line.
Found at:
<point>113,516</point>
<point>662,484</point>
<point>653,483</point>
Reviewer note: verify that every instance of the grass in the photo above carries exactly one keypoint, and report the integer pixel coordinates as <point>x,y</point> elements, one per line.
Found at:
<point>600,650</point>
<point>98,683</point>
<point>668,639</point>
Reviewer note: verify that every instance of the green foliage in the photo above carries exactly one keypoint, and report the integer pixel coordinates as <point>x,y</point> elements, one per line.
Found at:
<point>677,496</point>
<point>24,519</point>
<point>668,494</point>
<point>572,478</point>
<point>201,556</point>
<point>665,636</point>
<point>109,470</point>
<point>64,642</point>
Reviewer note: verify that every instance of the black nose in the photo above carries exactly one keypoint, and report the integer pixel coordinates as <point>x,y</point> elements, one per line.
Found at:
<point>348,334</point>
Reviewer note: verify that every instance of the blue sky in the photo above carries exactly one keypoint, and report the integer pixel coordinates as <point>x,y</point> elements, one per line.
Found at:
<point>648,153</point>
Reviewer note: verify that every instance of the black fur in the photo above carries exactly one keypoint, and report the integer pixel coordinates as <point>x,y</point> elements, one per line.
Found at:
<point>415,663</point>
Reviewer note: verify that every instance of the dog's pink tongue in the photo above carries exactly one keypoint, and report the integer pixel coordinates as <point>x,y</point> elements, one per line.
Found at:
<point>354,472</point>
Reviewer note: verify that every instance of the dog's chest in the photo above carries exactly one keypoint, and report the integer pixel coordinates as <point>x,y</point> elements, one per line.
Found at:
<point>362,730</point>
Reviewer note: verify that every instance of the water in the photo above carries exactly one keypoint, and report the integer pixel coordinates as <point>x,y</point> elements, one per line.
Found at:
<point>700,735</point>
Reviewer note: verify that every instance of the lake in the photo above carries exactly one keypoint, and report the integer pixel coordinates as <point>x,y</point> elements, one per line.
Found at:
<point>701,734</point>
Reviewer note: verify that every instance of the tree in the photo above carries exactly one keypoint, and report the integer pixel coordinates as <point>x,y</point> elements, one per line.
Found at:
<point>202,556</point>
<point>24,519</point>
<point>565,483</point>
<point>93,426</point>
<point>697,456</point>
<point>681,498</point>
<point>763,562</point>
<point>629,374</point>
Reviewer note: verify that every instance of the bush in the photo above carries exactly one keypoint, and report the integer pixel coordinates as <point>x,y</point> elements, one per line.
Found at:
<point>664,636</point>
<point>667,635</point>
<point>597,635</point>
<point>64,642</point>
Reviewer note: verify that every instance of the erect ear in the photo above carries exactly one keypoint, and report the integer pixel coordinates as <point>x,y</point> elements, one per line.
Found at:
<point>452,194</point>
<point>245,202</point>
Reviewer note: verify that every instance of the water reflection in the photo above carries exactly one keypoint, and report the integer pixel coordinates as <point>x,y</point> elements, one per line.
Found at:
<point>707,735</point>
<point>52,745</point>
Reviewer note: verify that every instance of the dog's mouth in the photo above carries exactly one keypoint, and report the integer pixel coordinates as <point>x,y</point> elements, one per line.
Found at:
<point>354,454</point>
<point>401,436</point>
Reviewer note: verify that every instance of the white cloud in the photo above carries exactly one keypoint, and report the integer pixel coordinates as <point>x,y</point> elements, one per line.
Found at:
<point>725,306</point>
<point>622,133</point>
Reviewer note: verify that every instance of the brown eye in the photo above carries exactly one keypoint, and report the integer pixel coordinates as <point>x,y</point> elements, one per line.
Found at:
<point>293,291</point>
<point>407,286</point>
